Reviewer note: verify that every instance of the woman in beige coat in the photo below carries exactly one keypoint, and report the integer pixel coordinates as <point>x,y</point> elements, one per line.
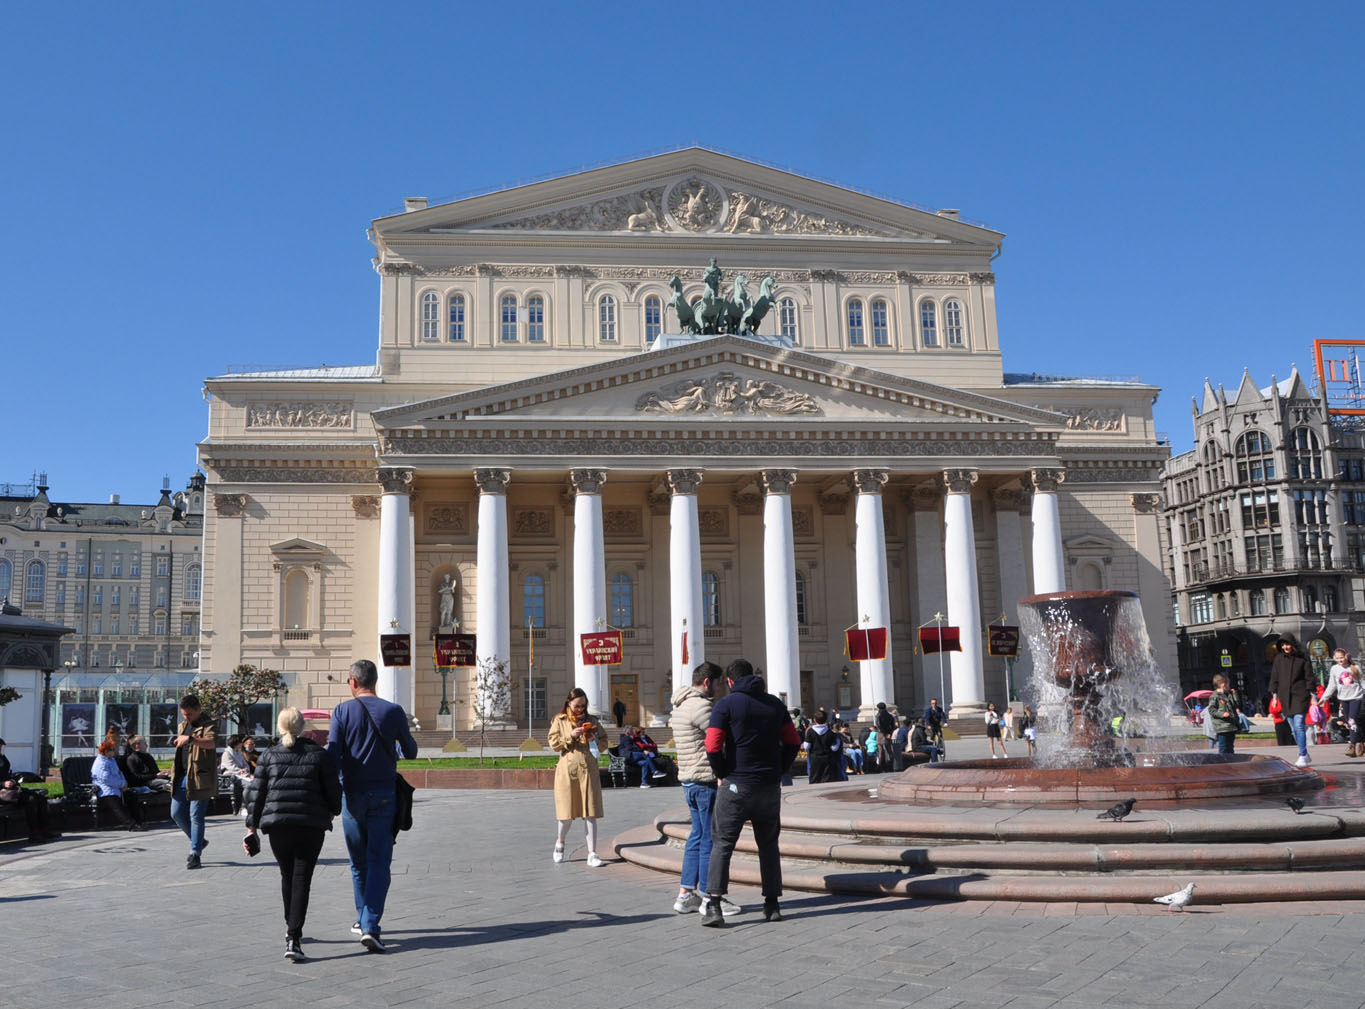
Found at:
<point>578,778</point>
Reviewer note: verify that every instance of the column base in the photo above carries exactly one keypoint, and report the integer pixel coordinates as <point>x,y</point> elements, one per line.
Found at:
<point>967,709</point>
<point>445,722</point>
<point>867,713</point>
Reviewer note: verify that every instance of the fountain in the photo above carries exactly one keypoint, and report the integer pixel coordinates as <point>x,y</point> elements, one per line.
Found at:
<point>1024,829</point>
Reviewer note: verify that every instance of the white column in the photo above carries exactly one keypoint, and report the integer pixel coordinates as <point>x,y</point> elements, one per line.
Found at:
<point>1009,542</point>
<point>964,604</point>
<point>589,580</point>
<point>394,612</point>
<point>928,588</point>
<point>494,619</point>
<point>874,595</point>
<point>1049,563</point>
<point>779,587</point>
<point>684,575</point>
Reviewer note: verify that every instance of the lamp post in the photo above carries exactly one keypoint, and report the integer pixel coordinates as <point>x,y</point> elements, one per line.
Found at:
<point>70,665</point>
<point>445,676</point>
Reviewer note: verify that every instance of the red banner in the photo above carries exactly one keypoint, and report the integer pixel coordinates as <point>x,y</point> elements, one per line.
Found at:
<point>864,643</point>
<point>455,650</point>
<point>935,639</point>
<point>395,649</point>
<point>601,648</point>
<point>1004,640</point>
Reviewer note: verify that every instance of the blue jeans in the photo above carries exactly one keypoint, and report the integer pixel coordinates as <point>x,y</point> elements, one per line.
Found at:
<point>856,756</point>
<point>701,800</point>
<point>367,823</point>
<point>1225,741</point>
<point>1297,726</point>
<point>935,753</point>
<point>646,762</point>
<point>188,815</point>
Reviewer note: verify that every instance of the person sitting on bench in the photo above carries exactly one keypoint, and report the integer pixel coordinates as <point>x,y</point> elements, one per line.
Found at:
<point>112,789</point>
<point>638,748</point>
<point>919,742</point>
<point>139,767</point>
<point>33,803</point>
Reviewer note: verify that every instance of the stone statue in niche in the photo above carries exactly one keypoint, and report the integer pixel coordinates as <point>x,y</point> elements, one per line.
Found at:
<point>447,594</point>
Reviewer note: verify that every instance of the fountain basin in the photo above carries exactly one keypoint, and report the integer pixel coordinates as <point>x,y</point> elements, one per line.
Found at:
<point>1153,777</point>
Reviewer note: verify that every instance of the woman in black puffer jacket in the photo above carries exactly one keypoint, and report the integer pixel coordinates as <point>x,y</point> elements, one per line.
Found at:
<point>292,799</point>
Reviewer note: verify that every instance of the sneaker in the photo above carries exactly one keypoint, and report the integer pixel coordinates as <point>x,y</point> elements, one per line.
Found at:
<point>711,914</point>
<point>1303,761</point>
<point>593,861</point>
<point>771,912</point>
<point>729,909</point>
<point>558,855</point>
<point>193,862</point>
<point>687,902</point>
<point>645,784</point>
<point>659,774</point>
<point>293,951</point>
<point>357,930</point>
<point>372,943</point>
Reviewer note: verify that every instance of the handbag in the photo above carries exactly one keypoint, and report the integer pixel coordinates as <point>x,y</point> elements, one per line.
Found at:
<point>402,791</point>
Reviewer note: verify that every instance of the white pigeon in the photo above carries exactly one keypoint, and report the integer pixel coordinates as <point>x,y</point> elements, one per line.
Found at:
<point>1177,900</point>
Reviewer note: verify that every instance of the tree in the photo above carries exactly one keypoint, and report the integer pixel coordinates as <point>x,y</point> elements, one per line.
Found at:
<point>492,696</point>
<point>230,698</point>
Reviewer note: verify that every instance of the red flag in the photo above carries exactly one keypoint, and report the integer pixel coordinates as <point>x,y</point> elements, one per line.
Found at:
<point>684,657</point>
<point>864,643</point>
<point>932,639</point>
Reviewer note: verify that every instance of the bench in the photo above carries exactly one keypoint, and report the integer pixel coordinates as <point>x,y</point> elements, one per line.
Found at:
<point>620,774</point>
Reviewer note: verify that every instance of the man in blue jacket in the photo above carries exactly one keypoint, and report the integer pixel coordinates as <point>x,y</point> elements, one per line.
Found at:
<point>750,743</point>
<point>365,733</point>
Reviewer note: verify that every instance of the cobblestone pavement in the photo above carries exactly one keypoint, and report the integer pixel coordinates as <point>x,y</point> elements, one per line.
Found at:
<point>479,915</point>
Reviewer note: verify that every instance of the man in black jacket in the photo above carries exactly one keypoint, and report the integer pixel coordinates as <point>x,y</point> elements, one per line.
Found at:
<point>750,743</point>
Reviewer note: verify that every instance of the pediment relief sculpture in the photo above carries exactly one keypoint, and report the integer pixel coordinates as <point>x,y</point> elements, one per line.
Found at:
<point>729,395</point>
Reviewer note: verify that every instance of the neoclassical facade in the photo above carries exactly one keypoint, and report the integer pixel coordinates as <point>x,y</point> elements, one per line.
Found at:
<point>538,435</point>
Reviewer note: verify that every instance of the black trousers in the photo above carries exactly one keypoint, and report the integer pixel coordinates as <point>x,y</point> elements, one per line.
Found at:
<point>296,850</point>
<point>35,815</point>
<point>120,809</point>
<point>761,806</point>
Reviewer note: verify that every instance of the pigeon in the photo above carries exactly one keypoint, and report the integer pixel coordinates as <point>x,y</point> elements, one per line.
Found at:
<point>1177,900</point>
<point>1118,810</point>
<point>1294,803</point>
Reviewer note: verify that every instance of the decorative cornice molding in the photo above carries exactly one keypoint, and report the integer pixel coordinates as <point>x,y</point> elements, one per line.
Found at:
<point>959,481</point>
<point>230,506</point>
<point>684,481</point>
<point>394,479</point>
<point>365,506</point>
<point>1046,481</point>
<point>492,481</point>
<point>778,481</point>
<point>870,481</point>
<point>587,481</point>
<point>298,471</point>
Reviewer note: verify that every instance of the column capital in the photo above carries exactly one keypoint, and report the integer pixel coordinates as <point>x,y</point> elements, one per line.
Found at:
<point>778,481</point>
<point>492,481</point>
<point>959,481</point>
<point>684,481</point>
<point>870,481</point>
<point>587,481</point>
<point>230,505</point>
<point>1144,504</point>
<point>1046,481</point>
<point>395,479</point>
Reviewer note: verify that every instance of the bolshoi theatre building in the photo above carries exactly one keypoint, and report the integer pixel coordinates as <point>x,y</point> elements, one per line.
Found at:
<point>722,408</point>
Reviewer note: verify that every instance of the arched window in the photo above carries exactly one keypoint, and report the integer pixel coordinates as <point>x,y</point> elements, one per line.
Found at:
<point>456,316</point>
<point>1305,455</point>
<point>508,314</point>
<point>1329,598</point>
<point>1282,600</point>
<point>35,582</point>
<point>881,330</point>
<point>786,318</point>
<point>1088,577</point>
<point>654,317</point>
<point>855,323</point>
<point>606,319</point>
<point>535,319</point>
<point>533,601</point>
<point>296,600</point>
<point>952,323</point>
<point>192,581</point>
<point>1310,599</point>
<point>928,323</point>
<point>710,599</point>
<point>622,601</point>
<point>801,599</point>
<point>431,317</point>
<point>1255,458</point>
<point>6,577</point>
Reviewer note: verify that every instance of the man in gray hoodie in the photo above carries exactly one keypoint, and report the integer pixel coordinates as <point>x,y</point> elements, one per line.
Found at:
<point>691,715</point>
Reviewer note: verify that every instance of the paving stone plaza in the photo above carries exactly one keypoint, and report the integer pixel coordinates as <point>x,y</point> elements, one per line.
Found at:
<point>479,915</point>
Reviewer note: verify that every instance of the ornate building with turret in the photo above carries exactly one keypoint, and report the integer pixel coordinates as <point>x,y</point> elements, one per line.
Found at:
<point>550,434</point>
<point>1265,518</point>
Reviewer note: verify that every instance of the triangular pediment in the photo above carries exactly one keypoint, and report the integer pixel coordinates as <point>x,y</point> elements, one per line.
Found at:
<point>298,548</point>
<point>1247,393</point>
<point>695,192</point>
<point>724,378</point>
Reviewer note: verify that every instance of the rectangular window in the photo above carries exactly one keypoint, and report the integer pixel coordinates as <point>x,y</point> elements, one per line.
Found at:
<point>99,596</point>
<point>135,566</point>
<point>1201,609</point>
<point>79,623</point>
<point>61,593</point>
<point>80,595</point>
<point>80,566</point>
<point>113,624</point>
<point>96,624</point>
<point>160,625</point>
<point>457,319</point>
<point>114,593</point>
<point>116,568</point>
<point>161,596</point>
<point>132,624</point>
<point>163,566</point>
<point>61,565</point>
<point>99,566</point>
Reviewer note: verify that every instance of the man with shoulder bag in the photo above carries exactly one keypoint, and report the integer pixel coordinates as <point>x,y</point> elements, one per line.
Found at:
<point>365,733</point>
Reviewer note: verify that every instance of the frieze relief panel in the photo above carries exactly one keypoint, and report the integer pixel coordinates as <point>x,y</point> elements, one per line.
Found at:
<point>803,520</point>
<point>302,414</point>
<point>714,522</point>
<point>622,522</point>
<point>533,523</point>
<point>1091,419</point>
<point>450,517</point>
<point>727,394</point>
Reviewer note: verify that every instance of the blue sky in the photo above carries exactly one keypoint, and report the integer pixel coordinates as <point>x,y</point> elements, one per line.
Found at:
<point>187,186</point>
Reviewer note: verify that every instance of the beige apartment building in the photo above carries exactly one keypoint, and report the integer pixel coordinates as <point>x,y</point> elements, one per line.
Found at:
<point>540,451</point>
